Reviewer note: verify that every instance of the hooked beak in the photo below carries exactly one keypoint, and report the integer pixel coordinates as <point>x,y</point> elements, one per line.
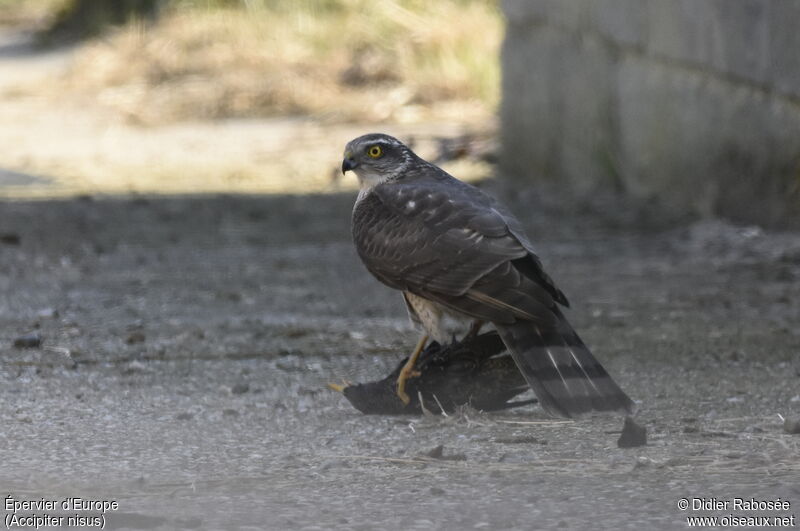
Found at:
<point>349,163</point>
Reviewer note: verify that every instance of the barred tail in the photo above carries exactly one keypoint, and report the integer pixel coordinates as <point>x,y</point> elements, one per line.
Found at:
<point>565,376</point>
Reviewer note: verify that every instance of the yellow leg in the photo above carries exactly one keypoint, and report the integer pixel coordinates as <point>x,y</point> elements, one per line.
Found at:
<point>408,370</point>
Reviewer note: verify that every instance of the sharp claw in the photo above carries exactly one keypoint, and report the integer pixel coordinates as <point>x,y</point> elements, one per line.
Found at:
<point>401,389</point>
<point>401,386</point>
<point>401,394</point>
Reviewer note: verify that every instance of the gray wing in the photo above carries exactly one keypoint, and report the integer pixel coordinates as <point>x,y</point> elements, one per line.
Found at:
<point>448,242</point>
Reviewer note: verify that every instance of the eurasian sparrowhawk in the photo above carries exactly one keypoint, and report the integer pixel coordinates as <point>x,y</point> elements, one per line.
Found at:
<point>450,248</point>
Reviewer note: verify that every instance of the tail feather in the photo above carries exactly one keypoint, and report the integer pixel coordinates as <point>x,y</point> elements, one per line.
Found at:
<point>567,379</point>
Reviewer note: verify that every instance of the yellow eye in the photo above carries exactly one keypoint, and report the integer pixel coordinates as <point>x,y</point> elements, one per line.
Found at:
<point>375,152</point>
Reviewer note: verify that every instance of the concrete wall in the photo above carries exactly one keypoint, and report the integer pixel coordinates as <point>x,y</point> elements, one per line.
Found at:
<point>692,103</point>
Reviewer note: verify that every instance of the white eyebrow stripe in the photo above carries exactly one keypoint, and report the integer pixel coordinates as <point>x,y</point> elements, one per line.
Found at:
<point>385,141</point>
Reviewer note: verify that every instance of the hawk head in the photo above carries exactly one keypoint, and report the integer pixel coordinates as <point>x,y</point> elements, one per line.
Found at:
<point>376,158</point>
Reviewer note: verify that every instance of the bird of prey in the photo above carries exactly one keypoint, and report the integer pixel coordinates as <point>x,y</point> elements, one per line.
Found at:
<point>452,249</point>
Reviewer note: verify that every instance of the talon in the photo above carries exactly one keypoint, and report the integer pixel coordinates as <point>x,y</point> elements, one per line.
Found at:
<point>408,371</point>
<point>401,393</point>
<point>401,385</point>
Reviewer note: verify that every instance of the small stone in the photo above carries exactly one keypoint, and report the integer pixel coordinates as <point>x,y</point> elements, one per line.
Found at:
<point>791,425</point>
<point>633,434</point>
<point>437,452</point>
<point>183,416</point>
<point>228,412</point>
<point>240,388</point>
<point>135,337</point>
<point>28,341</point>
<point>47,313</point>
<point>10,238</point>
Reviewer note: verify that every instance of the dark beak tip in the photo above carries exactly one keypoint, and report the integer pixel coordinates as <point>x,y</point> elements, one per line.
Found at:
<point>347,165</point>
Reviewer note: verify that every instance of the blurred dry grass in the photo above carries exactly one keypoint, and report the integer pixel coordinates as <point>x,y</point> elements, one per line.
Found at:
<point>337,60</point>
<point>27,11</point>
<point>315,73</point>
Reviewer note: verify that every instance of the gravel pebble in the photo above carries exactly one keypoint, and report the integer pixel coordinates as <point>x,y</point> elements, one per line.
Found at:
<point>33,340</point>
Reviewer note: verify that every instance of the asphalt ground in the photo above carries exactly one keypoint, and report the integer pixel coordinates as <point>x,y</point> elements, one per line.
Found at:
<point>186,343</point>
